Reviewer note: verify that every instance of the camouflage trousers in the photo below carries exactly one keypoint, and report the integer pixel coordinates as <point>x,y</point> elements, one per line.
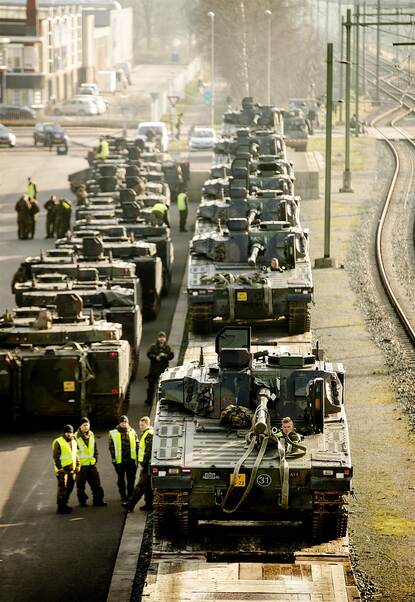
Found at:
<point>90,475</point>
<point>152,382</point>
<point>183,219</point>
<point>143,487</point>
<point>50,225</point>
<point>126,471</point>
<point>66,482</point>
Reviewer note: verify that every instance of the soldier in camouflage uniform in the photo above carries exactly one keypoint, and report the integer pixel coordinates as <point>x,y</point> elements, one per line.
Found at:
<point>63,217</point>
<point>34,210</point>
<point>287,433</point>
<point>50,207</point>
<point>88,458</point>
<point>159,355</point>
<point>66,465</point>
<point>22,208</point>
<point>81,196</point>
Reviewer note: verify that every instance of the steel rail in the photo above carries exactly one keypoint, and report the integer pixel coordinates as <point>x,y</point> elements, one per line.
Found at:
<point>405,321</point>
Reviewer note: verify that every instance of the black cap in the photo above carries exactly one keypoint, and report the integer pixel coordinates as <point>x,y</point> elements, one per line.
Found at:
<point>84,420</point>
<point>124,418</point>
<point>68,428</point>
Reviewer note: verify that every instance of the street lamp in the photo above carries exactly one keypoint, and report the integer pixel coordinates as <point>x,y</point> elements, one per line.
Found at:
<point>347,174</point>
<point>211,16</point>
<point>327,261</point>
<point>4,43</point>
<point>268,14</point>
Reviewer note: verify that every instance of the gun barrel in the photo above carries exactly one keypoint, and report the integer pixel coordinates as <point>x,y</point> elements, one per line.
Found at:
<point>254,254</point>
<point>262,413</point>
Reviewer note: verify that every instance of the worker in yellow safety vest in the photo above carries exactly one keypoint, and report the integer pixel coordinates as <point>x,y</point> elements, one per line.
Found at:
<point>66,465</point>
<point>123,445</point>
<point>143,486</point>
<point>183,209</point>
<point>88,458</point>
<point>31,189</point>
<point>160,214</point>
<point>103,150</point>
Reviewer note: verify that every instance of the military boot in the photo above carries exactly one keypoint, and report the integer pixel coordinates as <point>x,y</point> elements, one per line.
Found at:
<point>63,509</point>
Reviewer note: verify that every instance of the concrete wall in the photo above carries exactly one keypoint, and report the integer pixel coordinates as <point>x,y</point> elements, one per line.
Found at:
<point>160,105</point>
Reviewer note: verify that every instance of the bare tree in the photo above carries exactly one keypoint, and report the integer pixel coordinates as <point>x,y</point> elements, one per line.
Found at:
<point>241,45</point>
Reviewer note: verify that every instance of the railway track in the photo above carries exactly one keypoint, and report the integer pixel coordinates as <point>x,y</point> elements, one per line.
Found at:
<point>394,235</point>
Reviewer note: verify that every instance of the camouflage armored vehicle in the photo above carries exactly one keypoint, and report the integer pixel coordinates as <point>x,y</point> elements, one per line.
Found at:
<point>246,274</point>
<point>138,228</point>
<point>296,130</point>
<point>253,115</point>
<point>69,265</point>
<point>68,365</point>
<point>267,205</point>
<point>148,267</point>
<point>219,451</point>
<point>108,301</point>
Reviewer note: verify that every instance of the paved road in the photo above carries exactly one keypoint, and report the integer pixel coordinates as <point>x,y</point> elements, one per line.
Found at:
<point>44,556</point>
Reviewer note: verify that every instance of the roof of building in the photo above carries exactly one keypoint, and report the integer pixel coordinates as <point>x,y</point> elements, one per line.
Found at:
<point>93,4</point>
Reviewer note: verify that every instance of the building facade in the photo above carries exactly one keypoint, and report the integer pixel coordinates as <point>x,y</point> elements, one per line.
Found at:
<point>57,44</point>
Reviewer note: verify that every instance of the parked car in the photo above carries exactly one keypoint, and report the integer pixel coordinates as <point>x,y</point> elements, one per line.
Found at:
<point>159,129</point>
<point>49,134</point>
<point>77,106</point>
<point>89,88</point>
<point>13,112</point>
<point>202,138</point>
<point>98,100</point>
<point>7,138</point>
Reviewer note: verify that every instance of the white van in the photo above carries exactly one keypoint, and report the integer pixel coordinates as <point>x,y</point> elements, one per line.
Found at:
<point>160,131</point>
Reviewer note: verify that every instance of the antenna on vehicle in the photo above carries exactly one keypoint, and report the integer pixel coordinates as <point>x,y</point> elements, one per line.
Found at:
<point>201,358</point>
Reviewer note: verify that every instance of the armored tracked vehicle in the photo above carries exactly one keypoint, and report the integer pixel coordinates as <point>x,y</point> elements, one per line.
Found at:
<point>246,274</point>
<point>219,452</point>
<point>138,228</point>
<point>108,301</point>
<point>268,205</point>
<point>67,365</point>
<point>296,130</point>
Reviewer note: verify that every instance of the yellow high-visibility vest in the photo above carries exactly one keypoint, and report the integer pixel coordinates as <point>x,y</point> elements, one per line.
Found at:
<point>31,190</point>
<point>116,438</point>
<point>142,443</point>
<point>68,452</point>
<point>104,151</point>
<point>182,201</point>
<point>161,207</point>
<point>86,452</point>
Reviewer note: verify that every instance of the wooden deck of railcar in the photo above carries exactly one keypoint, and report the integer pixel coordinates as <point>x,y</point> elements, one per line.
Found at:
<point>319,573</point>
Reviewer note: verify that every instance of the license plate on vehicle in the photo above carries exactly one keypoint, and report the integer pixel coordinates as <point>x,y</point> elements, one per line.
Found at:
<point>69,385</point>
<point>240,480</point>
<point>242,296</point>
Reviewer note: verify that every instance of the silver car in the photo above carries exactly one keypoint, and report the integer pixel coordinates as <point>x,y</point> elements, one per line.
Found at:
<point>202,138</point>
<point>77,106</point>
